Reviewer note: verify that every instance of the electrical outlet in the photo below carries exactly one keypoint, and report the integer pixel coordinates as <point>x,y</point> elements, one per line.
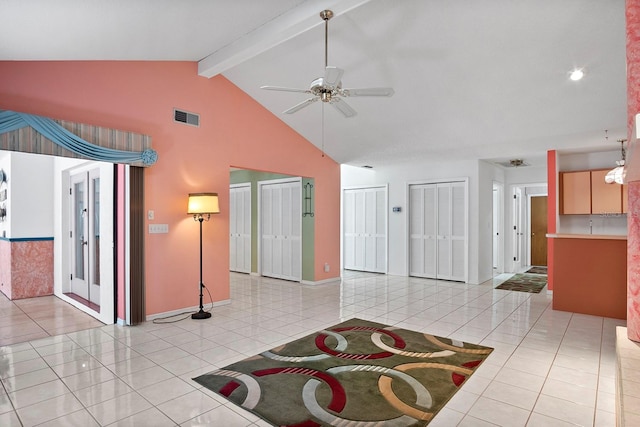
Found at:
<point>326,267</point>
<point>158,228</point>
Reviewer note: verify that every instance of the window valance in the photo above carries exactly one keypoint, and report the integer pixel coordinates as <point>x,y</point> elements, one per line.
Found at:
<point>36,134</point>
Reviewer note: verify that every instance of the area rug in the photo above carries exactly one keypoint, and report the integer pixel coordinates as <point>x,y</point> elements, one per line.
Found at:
<point>537,270</point>
<point>357,373</point>
<point>523,282</point>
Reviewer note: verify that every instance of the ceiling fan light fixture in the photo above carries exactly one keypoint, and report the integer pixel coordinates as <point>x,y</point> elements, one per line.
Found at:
<point>329,87</point>
<point>618,174</point>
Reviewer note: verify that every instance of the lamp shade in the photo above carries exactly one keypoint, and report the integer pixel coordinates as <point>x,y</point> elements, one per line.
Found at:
<point>203,203</point>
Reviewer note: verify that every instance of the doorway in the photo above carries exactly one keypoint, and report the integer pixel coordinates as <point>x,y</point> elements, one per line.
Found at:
<point>89,283</point>
<point>538,215</point>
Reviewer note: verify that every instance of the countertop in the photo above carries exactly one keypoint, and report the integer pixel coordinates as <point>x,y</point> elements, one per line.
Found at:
<point>587,236</point>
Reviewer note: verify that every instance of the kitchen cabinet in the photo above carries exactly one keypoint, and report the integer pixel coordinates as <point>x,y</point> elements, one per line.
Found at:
<point>605,198</point>
<point>586,193</point>
<point>575,192</point>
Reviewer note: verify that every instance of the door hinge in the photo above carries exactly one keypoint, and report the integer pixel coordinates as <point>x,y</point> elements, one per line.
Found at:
<point>71,234</point>
<point>514,258</point>
<point>70,191</point>
<point>515,197</point>
<point>514,227</point>
<point>71,277</point>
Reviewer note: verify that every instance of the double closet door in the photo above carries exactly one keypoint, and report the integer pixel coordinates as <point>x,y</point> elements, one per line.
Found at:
<point>438,230</point>
<point>281,229</point>
<point>365,229</point>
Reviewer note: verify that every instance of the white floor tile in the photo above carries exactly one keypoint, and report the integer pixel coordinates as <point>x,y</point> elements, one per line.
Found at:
<point>548,368</point>
<point>188,406</point>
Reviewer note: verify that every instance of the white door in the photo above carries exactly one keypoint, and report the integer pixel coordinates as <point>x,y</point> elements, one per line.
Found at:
<point>365,229</point>
<point>281,229</point>
<point>80,237</point>
<point>91,247</point>
<point>497,229</point>
<point>240,228</point>
<point>438,230</point>
<point>517,228</point>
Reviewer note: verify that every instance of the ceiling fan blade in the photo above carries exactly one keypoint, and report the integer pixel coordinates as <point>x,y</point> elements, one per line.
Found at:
<point>343,107</point>
<point>369,91</point>
<point>285,89</point>
<point>301,105</point>
<point>332,76</point>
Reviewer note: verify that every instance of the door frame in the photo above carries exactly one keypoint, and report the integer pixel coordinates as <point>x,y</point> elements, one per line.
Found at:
<point>298,180</point>
<point>529,220</point>
<point>525,256</point>
<point>107,262</point>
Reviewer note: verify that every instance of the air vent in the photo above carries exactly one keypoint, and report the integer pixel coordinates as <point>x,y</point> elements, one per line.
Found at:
<point>367,167</point>
<point>186,117</point>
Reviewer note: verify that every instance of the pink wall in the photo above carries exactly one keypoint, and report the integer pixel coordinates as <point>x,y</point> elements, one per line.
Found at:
<point>633,187</point>
<point>234,131</point>
<point>26,268</point>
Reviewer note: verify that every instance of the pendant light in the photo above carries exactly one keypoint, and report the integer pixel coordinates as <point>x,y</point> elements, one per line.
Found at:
<point>617,174</point>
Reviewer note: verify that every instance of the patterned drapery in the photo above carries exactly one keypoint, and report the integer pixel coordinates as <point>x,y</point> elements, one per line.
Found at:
<point>36,134</point>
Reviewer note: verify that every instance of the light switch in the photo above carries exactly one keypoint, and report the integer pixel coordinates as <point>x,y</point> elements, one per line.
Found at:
<point>158,228</point>
<point>151,215</point>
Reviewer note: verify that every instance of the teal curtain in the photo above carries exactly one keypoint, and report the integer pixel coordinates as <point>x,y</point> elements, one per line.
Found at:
<point>11,120</point>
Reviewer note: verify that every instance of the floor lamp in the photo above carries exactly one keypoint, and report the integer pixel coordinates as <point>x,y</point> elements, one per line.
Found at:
<point>202,205</point>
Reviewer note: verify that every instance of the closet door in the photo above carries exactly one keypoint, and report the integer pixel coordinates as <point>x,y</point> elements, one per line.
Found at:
<point>365,229</point>
<point>240,228</point>
<point>437,231</point>
<point>458,231</point>
<point>422,230</point>
<point>281,229</point>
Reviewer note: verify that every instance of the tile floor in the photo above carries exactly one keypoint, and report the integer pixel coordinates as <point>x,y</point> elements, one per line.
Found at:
<point>549,368</point>
<point>29,319</point>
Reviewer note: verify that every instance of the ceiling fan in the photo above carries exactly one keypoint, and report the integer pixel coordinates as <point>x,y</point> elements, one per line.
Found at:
<point>329,87</point>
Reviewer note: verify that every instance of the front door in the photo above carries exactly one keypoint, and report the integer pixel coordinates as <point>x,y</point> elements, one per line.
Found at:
<point>91,280</point>
<point>539,230</point>
<point>85,223</point>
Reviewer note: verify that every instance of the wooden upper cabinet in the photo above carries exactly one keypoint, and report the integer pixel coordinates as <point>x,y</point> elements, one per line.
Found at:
<point>575,192</point>
<point>605,198</point>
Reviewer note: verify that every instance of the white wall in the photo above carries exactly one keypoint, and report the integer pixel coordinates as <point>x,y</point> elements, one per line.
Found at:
<point>481,176</point>
<point>398,178</point>
<point>5,165</point>
<point>29,195</point>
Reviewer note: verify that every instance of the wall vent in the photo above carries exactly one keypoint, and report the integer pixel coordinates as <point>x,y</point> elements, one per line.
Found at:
<point>186,117</point>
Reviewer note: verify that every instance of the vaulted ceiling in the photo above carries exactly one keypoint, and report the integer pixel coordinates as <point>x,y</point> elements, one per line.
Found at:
<point>487,79</point>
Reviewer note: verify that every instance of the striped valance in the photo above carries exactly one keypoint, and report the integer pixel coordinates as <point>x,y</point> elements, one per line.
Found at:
<point>40,135</point>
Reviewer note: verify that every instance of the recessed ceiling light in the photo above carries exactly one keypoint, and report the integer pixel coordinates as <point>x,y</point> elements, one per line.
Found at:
<point>576,75</point>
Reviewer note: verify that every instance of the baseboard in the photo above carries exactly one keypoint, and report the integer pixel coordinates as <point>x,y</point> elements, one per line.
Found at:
<point>187,310</point>
<point>321,282</point>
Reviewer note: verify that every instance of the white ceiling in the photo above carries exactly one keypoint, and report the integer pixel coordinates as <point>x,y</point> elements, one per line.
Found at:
<point>483,79</point>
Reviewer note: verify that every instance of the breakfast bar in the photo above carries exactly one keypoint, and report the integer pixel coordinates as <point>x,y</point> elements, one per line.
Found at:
<point>590,274</point>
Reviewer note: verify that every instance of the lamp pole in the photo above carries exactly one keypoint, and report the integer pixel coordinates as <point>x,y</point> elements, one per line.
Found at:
<point>201,314</point>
